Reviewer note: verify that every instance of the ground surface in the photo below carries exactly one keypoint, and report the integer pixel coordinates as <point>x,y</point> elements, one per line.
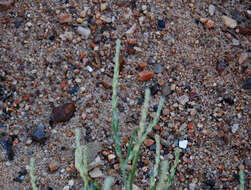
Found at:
<point>47,60</point>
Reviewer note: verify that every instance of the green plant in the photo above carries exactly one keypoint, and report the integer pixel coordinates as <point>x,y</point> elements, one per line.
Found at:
<point>32,176</point>
<point>241,174</point>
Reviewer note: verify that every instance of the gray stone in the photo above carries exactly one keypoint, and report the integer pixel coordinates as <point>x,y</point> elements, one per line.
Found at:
<point>84,31</point>
<point>166,90</point>
<point>211,9</point>
<point>157,68</point>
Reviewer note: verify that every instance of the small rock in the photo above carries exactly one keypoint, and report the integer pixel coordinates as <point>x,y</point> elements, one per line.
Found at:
<point>161,24</point>
<point>247,84</point>
<point>192,186</point>
<point>103,6</point>
<point>145,75</point>
<point>235,128</point>
<point>84,31</point>
<point>211,9</point>
<point>157,68</point>
<point>92,150</point>
<point>148,142</point>
<point>245,31</point>
<point>210,24</point>
<point>183,99</point>
<point>243,57</point>
<point>111,157</point>
<point>154,89</point>
<point>6,142</point>
<point>142,65</point>
<point>39,134</point>
<point>220,67</point>
<point>63,113</point>
<point>236,42</point>
<point>65,19</point>
<point>71,183</point>
<point>106,19</point>
<point>183,144</point>
<point>66,36</point>
<point>229,22</point>
<point>53,166</point>
<point>166,90</point>
<point>247,162</point>
<point>96,173</point>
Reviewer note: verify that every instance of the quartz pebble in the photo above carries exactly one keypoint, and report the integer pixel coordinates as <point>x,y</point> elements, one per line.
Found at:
<point>183,99</point>
<point>84,31</point>
<point>96,173</point>
<point>211,9</point>
<point>183,144</point>
<point>235,128</point>
<point>229,22</point>
<point>148,142</point>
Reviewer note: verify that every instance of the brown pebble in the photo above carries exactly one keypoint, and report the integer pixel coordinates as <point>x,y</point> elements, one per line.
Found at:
<point>245,31</point>
<point>63,113</point>
<point>210,24</point>
<point>53,166</point>
<point>145,75</point>
<point>142,65</point>
<point>148,142</point>
<point>65,19</point>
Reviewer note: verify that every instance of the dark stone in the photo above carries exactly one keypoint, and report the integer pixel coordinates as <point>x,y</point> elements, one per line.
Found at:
<point>49,188</point>
<point>155,108</point>
<point>153,147</point>
<point>52,38</point>
<point>140,100</point>
<point>38,134</point>
<point>6,143</point>
<point>74,90</point>
<point>17,23</point>
<point>221,66</point>
<point>154,89</point>
<point>247,84</point>
<point>21,175</point>
<point>157,68</point>
<point>228,100</point>
<point>161,24</point>
<point>63,113</point>
<point>210,182</point>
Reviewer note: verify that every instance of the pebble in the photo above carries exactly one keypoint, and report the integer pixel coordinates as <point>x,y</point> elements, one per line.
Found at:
<point>211,9</point>
<point>134,187</point>
<point>96,173</point>
<point>166,90</point>
<point>66,36</point>
<point>103,6</point>
<point>84,31</point>
<point>183,99</point>
<point>148,142</point>
<point>210,24</point>
<point>65,18</point>
<point>243,57</point>
<point>229,22</point>
<point>90,69</point>
<point>157,68</point>
<point>236,42</point>
<point>247,84</point>
<point>6,143</point>
<point>53,166</point>
<point>38,134</point>
<point>235,128</point>
<point>183,144</point>
<point>71,183</point>
<point>145,75</point>
<point>63,113</point>
<point>245,31</point>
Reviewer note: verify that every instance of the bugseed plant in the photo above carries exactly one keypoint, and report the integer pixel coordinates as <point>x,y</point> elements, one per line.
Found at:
<point>133,150</point>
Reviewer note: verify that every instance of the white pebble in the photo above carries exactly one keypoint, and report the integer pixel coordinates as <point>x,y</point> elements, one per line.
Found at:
<point>183,144</point>
<point>235,128</point>
<point>84,31</point>
<point>211,9</point>
<point>71,183</point>
<point>89,68</point>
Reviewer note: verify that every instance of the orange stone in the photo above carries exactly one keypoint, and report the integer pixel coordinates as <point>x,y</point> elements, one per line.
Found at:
<point>63,84</point>
<point>65,18</point>
<point>53,166</point>
<point>142,65</point>
<point>145,75</point>
<point>148,142</point>
<point>210,24</point>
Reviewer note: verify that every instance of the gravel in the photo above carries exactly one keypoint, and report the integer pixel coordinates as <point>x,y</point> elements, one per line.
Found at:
<point>58,52</point>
